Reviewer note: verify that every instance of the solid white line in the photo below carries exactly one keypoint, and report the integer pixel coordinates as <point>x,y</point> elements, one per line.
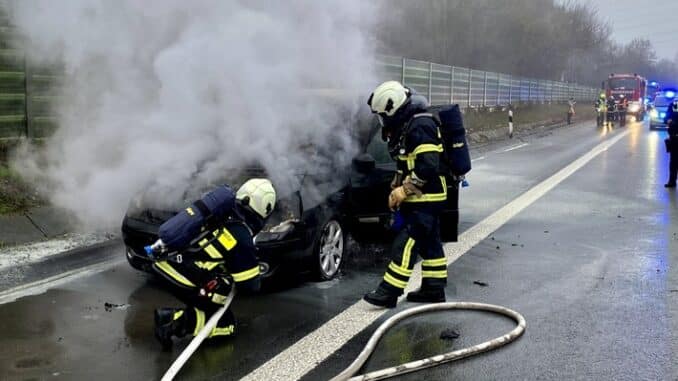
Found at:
<point>516,147</point>
<point>303,356</point>
<point>42,285</point>
<point>478,158</point>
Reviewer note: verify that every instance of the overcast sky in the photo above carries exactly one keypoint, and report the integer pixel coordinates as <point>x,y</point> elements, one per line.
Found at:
<point>656,20</point>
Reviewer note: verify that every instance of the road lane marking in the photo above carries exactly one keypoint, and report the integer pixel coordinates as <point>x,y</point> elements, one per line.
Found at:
<point>516,147</point>
<point>478,159</point>
<point>42,285</point>
<point>311,350</point>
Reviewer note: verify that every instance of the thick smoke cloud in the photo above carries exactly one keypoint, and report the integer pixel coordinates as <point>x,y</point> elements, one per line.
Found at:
<point>161,94</point>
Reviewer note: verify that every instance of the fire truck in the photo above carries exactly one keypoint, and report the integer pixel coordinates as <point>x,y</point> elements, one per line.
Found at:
<point>629,87</point>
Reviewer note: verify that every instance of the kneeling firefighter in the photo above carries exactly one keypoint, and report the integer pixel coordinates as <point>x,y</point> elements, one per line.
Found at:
<point>214,239</point>
<point>419,191</point>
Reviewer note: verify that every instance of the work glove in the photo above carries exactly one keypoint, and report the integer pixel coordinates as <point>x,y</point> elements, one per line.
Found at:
<point>217,289</point>
<point>399,194</point>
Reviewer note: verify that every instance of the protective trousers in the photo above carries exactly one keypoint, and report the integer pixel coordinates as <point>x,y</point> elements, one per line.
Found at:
<point>421,236</point>
<point>673,160</point>
<point>188,278</point>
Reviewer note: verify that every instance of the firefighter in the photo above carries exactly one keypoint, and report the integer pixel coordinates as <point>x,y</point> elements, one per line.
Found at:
<point>600,109</point>
<point>671,120</point>
<point>621,110</point>
<point>418,194</point>
<point>224,259</point>
<point>570,109</point>
<point>611,107</point>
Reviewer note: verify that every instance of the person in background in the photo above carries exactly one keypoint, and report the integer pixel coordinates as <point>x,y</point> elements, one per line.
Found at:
<point>570,109</point>
<point>671,120</point>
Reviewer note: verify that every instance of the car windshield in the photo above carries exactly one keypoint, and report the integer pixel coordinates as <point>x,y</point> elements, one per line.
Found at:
<point>623,83</point>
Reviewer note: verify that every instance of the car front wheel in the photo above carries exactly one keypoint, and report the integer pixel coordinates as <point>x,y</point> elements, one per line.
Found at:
<point>329,251</point>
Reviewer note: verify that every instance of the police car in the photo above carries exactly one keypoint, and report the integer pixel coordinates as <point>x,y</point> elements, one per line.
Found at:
<point>658,112</point>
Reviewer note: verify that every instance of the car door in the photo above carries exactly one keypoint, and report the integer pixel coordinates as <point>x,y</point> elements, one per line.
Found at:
<point>369,190</point>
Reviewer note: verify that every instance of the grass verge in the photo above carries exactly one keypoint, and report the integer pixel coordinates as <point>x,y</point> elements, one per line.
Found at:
<point>16,195</point>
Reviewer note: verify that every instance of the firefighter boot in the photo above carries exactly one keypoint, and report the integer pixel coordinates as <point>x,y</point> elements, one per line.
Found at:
<point>169,322</point>
<point>427,295</point>
<point>381,298</point>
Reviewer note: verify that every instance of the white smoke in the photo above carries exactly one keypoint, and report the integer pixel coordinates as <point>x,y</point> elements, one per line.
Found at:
<point>156,92</point>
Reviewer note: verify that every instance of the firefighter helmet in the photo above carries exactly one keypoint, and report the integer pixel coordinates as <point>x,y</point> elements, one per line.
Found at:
<point>258,195</point>
<point>388,97</point>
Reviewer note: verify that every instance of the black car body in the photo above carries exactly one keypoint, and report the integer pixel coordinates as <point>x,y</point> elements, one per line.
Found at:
<point>309,226</point>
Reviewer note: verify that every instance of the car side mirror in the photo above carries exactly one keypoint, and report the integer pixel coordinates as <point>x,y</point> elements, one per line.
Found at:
<point>364,163</point>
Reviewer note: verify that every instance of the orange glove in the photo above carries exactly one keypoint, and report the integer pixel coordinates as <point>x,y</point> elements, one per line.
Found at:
<point>397,196</point>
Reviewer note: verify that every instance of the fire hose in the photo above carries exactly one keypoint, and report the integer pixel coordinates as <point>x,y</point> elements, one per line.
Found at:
<point>374,340</point>
<point>198,339</point>
<point>434,360</point>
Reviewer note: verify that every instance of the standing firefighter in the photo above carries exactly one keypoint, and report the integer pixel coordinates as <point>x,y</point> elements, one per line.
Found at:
<point>671,121</point>
<point>214,237</point>
<point>570,109</point>
<point>600,110</point>
<point>418,192</point>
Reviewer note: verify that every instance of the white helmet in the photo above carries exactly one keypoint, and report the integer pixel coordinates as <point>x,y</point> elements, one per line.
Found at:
<point>387,98</point>
<point>259,195</point>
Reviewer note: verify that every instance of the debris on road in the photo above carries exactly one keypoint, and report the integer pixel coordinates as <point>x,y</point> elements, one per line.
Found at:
<point>449,334</point>
<point>111,306</point>
<point>479,283</point>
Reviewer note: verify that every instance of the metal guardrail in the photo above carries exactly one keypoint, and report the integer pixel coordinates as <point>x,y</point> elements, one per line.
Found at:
<point>444,84</point>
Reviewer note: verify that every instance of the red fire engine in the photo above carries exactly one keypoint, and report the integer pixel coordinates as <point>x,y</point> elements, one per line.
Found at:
<point>629,87</point>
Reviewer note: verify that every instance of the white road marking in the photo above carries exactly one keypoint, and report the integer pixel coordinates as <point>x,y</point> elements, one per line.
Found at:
<point>39,287</point>
<point>516,147</point>
<point>303,356</point>
<point>478,159</point>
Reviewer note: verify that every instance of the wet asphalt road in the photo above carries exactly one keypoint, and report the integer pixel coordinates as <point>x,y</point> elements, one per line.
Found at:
<point>588,265</point>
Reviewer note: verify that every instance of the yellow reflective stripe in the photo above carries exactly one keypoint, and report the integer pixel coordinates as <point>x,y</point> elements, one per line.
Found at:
<point>206,265</point>
<point>427,148</point>
<point>393,281</point>
<point>178,314</point>
<point>399,270</point>
<point>224,331</point>
<point>409,159</point>
<point>246,275</point>
<point>199,321</point>
<point>434,262</point>
<point>169,270</point>
<point>434,274</point>
<point>430,197</point>
<point>227,240</point>
<point>210,249</point>
<point>213,252</point>
<point>407,252</point>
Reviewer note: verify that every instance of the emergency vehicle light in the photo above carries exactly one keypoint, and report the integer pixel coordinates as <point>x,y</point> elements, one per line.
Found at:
<point>670,94</point>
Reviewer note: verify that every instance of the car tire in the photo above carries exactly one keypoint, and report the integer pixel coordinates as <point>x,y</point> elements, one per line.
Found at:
<point>329,250</point>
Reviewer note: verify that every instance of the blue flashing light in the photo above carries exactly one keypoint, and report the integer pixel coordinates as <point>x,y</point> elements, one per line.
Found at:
<point>662,115</point>
<point>670,94</point>
<point>653,83</point>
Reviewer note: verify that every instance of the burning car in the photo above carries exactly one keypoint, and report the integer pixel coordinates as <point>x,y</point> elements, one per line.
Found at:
<point>308,228</point>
